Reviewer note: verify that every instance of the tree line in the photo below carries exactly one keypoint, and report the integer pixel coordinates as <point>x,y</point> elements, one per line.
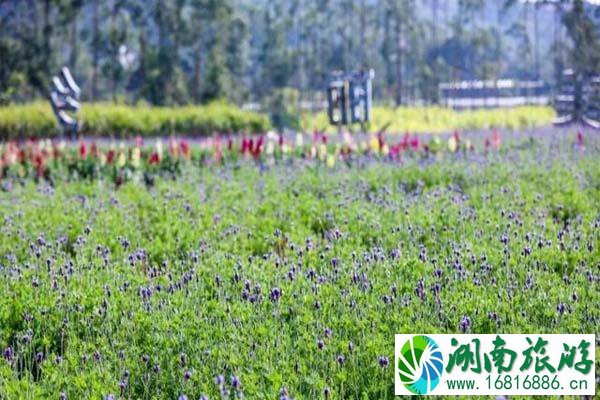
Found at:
<point>194,51</point>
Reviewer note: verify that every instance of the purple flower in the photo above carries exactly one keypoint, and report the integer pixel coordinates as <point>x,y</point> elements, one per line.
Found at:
<point>187,375</point>
<point>327,392</point>
<point>219,380</point>
<point>465,324</point>
<point>383,362</point>
<point>183,397</point>
<point>561,308</point>
<point>283,394</point>
<point>8,354</point>
<point>275,294</point>
<point>235,382</point>
<point>341,359</point>
<point>62,396</point>
<point>109,397</point>
<point>320,344</point>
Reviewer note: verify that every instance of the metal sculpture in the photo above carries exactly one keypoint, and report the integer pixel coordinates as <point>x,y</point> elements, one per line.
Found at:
<point>64,98</point>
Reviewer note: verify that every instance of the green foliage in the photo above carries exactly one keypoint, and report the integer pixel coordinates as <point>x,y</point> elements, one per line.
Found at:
<point>283,108</point>
<point>242,50</point>
<point>103,278</point>
<point>112,120</point>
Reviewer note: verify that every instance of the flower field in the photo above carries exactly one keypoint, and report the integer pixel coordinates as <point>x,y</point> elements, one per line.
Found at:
<point>268,266</point>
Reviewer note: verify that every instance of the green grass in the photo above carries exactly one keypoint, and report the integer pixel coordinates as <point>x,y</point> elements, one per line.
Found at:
<point>112,120</point>
<point>211,230</point>
<point>440,120</point>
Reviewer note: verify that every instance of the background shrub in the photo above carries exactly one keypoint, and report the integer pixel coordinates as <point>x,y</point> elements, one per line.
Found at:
<point>114,120</point>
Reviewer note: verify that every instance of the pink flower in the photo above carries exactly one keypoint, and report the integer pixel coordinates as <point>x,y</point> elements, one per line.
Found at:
<point>185,149</point>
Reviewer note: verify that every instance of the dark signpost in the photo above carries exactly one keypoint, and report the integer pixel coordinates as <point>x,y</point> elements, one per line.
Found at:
<point>349,98</point>
<point>578,100</point>
<point>64,98</point>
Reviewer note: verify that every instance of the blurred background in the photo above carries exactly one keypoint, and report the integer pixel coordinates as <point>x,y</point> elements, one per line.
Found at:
<point>264,55</point>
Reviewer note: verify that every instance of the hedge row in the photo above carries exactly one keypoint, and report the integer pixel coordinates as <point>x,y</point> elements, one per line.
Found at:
<point>441,120</point>
<point>113,120</point>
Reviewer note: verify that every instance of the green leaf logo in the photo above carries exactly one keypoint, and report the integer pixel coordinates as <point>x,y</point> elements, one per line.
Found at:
<point>420,364</point>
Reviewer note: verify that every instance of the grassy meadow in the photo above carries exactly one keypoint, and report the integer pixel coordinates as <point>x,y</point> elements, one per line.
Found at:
<point>289,279</point>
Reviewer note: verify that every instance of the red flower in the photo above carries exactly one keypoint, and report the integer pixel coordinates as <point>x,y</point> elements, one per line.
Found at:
<point>580,141</point>
<point>83,151</point>
<point>110,156</point>
<point>245,146</point>
<point>414,143</point>
<point>381,140</point>
<point>257,150</point>
<point>396,150</point>
<point>154,158</point>
<point>456,136</point>
<point>38,163</point>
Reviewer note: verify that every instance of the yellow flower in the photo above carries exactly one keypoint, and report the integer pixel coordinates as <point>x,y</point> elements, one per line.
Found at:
<point>374,144</point>
<point>135,157</point>
<point>270,147</point>
<point>322,150</point>
<point>467,144</point>
<point>452,144</point>
<point>331,160</point>
<point>159,148</point>
<point>299,140</point>
<point>121,160</point>
<point>385,150</point>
